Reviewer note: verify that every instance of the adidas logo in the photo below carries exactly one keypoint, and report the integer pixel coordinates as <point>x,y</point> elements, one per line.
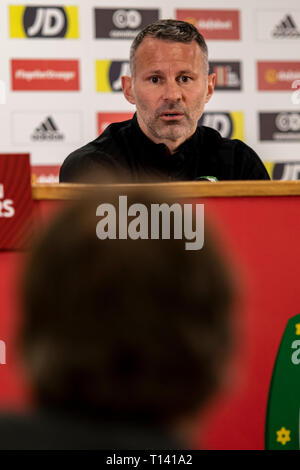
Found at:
<point>47,131</point>
<point>286,29</point>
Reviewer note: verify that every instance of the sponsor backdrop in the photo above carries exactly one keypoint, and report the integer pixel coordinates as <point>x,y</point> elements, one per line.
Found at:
<point>61,68</point>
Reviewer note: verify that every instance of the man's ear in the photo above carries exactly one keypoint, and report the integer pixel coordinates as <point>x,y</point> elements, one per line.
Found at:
<point>127,88</point>
<point>211,80</point>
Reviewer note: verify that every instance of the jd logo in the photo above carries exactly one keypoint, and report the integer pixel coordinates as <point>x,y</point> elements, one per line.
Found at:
<point>286,171</point>
<point>109,73</point>
<point>116,71</point>
<point>42,22</point>
<point>222,122</point>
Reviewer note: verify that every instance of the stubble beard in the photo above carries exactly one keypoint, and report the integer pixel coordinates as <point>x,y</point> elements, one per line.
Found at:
<point>172,130</point>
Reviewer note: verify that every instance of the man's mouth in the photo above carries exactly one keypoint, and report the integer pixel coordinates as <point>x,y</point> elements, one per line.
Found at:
<point>172,115</point>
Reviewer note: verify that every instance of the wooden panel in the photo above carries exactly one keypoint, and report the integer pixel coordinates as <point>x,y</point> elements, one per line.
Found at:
<point>189,189</point>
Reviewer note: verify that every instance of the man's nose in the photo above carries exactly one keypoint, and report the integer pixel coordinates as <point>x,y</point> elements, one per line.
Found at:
<point>172,91</point>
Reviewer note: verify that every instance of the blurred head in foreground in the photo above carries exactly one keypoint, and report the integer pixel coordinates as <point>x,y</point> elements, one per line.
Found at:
<point>124,330</point>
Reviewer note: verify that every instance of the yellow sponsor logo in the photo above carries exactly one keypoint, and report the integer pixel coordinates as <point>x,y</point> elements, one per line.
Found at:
<point>237,125</point>
<point>229,125</point>
<point>102,76</point>
<point>73,22</point>
<point>49,22</point>
<point>16,13</point>
<point>269,167</point>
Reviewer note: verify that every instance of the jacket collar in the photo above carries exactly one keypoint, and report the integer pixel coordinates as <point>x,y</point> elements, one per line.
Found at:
<point>157,155</point>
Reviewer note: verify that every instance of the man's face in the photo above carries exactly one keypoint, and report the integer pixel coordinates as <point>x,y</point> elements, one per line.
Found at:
<point>170,88</point>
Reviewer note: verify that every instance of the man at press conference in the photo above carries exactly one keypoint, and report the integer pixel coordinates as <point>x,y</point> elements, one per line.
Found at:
<point>169,85</point>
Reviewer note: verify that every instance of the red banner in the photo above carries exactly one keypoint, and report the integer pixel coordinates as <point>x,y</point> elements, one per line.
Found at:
<point>45,174</point>
<point>16,202</point>
<point>277,75</point>
<point>213,24</point>
<point>45,74</point>
<point>104,119</point>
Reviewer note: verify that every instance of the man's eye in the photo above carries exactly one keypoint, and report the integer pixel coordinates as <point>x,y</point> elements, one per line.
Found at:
<point>185,78</point>
<point>154,79</point>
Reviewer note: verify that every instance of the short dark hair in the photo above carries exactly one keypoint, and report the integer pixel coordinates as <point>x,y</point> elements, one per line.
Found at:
<point>169,30</point>
<point>124,329</point>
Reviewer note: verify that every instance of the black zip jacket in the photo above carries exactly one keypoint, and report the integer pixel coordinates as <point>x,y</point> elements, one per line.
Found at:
<point>123,149</point>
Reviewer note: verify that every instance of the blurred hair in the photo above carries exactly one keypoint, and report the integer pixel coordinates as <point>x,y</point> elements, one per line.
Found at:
<point>126,329</point>
<point>169,30</point>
